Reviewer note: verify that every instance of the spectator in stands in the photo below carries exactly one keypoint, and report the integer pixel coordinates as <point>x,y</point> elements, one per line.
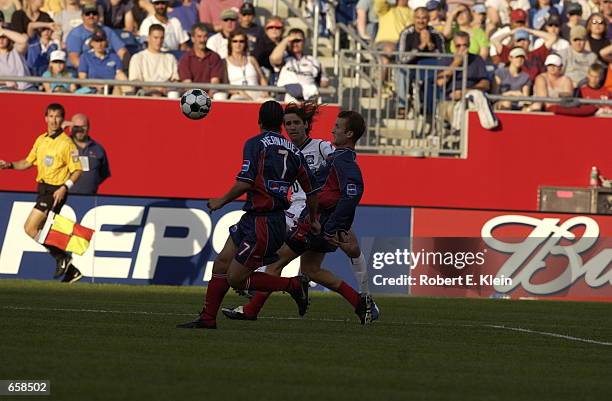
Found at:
<point>99,62</point>
<point>30,13</point>
<point>13,45</point>
<point>461,20</point>
<point>77,41</point>
<point>506,13</point>
<point>52,7</point>
<point>246,25</point>
<point>517,18</point>
<point>436,15</point>
<point>479,16</point>
<point>187,13</point>
<point>211,11</point>
<point>367,20</point>
<point>141,10</point>
<point>552,83</point>
<point>534,64</point>
<point>579,59</point>
<point>573,12</point>
<point>243,69</point>
<point>420,37</point>
<point>300,74</point>
<point>152,65</point>
<point>69,18</point>
<point>92,155</point>
<point>606,6</point>
<point>264,47</point>
<point>596,28</point>
<point>117,14</point>
<point>560,46</point>
<point>201,64</point>
<point>175,37</point>
<point>40,47</point>
<point>476,69</point>
<point>593,88</point>
<point>218,42</point>
<point>57,69</point>
<point>8,7</point>
<point>392,20</point>
<point>511,80</point>
<point>543,10</point>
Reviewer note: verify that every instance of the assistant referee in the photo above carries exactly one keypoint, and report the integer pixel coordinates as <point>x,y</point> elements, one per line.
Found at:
<point>57,160</point>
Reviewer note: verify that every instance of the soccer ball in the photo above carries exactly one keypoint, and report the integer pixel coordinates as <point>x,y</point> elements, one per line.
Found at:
<point>195,104</point>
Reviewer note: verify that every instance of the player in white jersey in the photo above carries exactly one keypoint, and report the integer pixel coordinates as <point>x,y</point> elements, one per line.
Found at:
<point>298,124</point>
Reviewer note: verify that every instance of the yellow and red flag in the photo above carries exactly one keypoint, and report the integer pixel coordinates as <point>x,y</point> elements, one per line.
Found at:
<point>65,234</point>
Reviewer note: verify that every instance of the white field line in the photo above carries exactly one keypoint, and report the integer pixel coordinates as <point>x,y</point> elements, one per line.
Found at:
<point>491,326</point>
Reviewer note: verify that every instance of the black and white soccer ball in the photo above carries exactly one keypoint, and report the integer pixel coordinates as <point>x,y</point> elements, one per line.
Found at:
<point>195,104</point>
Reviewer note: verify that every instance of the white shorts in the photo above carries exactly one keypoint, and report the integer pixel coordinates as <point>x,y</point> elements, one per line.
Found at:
<point>293,214</point>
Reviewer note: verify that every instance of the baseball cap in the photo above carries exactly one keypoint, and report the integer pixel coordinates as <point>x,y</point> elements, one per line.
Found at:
<point>89,7</point>
<point>518,52</point>
<point>160,1</point>
<point>432,5</point>
<point>573,8</point>
<point>98,35</point>
<point>247,9</point>
<point>521,34</point>
<point>229,13</point>
<point>58,55</point>
<point>553,19</point>
<point>479,9</point>
<point>518,15</point>
<point>553,59</point>
<point>578,32</point>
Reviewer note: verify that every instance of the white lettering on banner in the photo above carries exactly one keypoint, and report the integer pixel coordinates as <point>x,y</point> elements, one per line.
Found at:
<point>16,241</point>
<point>546,235</point>
<point>154,244</point>
<point>105,266</point>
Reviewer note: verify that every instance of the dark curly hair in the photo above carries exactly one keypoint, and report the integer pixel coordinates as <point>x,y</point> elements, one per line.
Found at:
<point>306,111</point>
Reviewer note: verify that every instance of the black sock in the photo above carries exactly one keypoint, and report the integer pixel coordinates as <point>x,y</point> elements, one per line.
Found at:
<point>57,253</point>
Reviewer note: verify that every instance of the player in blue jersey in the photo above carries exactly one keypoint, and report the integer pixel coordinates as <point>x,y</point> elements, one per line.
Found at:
<point>298,123</point>
<point>271,164</point>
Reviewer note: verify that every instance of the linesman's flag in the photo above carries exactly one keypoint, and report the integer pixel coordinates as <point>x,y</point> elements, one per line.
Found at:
<point>65,234</point>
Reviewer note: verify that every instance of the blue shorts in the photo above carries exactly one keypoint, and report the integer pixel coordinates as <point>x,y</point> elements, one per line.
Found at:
<point>300,239</point>
<point>258,237</point>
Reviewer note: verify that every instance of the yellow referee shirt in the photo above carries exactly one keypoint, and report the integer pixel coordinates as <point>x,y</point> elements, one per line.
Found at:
<point>56,158</point>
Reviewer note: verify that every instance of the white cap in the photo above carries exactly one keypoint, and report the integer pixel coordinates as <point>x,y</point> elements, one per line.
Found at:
<point>518,52</point>
<point>554,59</point>
<point>58,55</point>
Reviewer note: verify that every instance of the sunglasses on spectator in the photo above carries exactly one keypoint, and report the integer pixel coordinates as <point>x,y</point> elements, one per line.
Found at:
<point>229,19</point>
<point>597,22</point>
<point>274,27</point>
<point>579,39</point>
<point>461,45</point>
<point>555,25</point>
<point>78,128</point>
<point>297,40</point>
<point>90,13</point>
<point>238,41</point>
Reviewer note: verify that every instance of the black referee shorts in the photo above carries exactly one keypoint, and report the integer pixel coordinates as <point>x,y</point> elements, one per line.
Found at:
<point>44,200</point>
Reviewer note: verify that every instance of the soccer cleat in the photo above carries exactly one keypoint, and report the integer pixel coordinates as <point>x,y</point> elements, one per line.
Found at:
<point>300,295</point>
<point>72,275</point>
<point>196,324</point>
<point>364,309</point>
<point>375,311</point>
<point>62,265</point>
<point>237,313</point>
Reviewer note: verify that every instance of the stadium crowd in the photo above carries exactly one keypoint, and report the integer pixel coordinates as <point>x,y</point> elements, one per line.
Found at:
<point>547,48</point>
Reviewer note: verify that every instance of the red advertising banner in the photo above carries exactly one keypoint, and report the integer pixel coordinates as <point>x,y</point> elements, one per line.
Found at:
<point>501,254</point>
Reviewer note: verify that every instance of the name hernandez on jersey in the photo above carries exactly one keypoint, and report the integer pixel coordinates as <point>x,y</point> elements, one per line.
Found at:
<point>315,151</point>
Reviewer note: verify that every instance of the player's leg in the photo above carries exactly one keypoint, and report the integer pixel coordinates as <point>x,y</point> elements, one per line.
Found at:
<point>350,246</point>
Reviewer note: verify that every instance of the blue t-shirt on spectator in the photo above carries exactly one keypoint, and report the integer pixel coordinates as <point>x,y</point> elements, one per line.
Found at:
<point>37,58</point>
<point>55,86</point>
<point>78,40</point>
<point>100,68</point>
<point>187,15</point>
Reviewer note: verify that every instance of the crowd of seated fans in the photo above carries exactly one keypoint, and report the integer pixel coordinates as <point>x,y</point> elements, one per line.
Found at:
<point>550,48</point>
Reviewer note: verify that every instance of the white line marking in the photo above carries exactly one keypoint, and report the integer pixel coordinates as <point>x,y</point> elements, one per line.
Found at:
<point>492,326</point>
<point>546,333</point>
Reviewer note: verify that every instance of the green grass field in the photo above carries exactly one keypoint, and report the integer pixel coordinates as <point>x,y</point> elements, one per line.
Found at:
<point>112,342</point>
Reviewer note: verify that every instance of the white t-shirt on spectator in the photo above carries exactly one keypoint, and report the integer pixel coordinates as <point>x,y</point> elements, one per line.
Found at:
<point>153,67</point>
<point>504,11</point>
<point>174,34</point>
<point>305,71</point>
<point>561,47</point>
<point>218,44</point>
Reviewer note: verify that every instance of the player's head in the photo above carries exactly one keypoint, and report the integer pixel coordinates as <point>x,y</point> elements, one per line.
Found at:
<point>298,120</point>
<point>271,116</point>
<point>349,127</point>
<point>54,117</point>
<point>80,127</point>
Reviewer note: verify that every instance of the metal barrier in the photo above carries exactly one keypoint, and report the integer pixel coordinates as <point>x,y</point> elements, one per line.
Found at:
<point>407,107</point>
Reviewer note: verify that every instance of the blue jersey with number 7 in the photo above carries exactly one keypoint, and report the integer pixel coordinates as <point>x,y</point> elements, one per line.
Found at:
<point>272,164</point>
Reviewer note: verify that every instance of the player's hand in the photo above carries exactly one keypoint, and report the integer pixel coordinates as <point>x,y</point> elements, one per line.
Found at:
<point>215,204</point>
<point>58,195</point>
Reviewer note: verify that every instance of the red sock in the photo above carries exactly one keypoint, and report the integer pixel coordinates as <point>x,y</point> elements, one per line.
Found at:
<point>256,303</point>
<point>267,282</point>
<point>349,294</point>
<point>217,288</point>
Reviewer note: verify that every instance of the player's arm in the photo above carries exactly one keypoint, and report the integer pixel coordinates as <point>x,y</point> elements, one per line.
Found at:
<point>18,165</point>
<point>61,192</point>
<point>239,188</point>
<point>351,189</point>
